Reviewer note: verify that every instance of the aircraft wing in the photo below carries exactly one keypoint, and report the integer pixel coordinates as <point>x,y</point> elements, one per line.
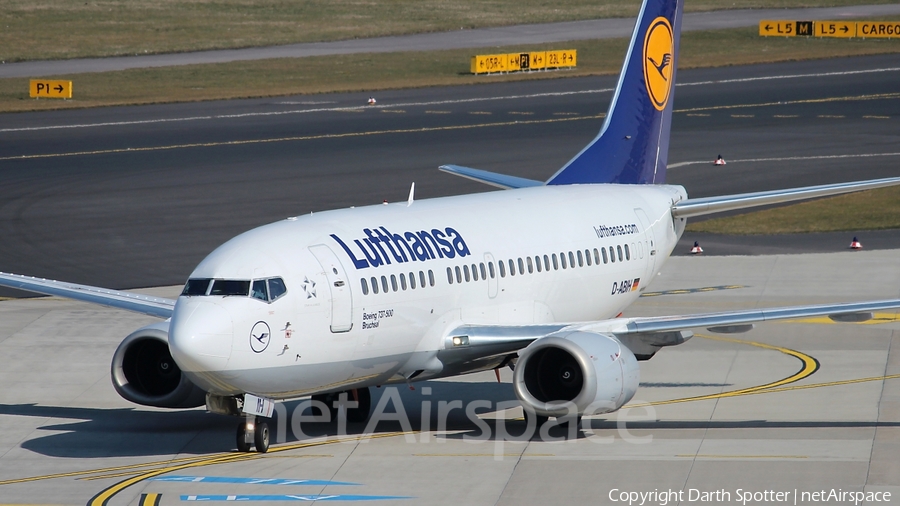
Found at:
<point>153,306</point>
<point>469,345</point>
<point>709,205</point>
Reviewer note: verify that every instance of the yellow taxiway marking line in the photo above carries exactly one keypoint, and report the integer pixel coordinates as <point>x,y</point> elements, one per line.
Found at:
<point>809,366</point>
<point>880,96</point>
<point>103,497</point>
<point>150,499</point>
<point>95,471</point>
<point>299,138</point>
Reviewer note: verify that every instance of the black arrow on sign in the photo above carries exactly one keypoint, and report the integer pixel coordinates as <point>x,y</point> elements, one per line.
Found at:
<point>59,88</point>
<point>845,29</point>
<point>768,28</point>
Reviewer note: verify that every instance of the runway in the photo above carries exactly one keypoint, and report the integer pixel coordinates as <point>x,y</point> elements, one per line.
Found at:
<point>137,196</point>
<point>794,407</point>
<point>131,197</point>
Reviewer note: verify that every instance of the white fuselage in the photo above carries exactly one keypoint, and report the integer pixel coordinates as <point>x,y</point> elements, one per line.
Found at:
<point>372,292</point>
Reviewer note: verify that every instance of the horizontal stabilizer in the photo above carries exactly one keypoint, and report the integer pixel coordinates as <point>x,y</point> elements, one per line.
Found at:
<point>709,205</point>
<point>491,178</point>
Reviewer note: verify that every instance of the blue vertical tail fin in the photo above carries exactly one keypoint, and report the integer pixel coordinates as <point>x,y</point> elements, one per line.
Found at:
<point>633,145</point>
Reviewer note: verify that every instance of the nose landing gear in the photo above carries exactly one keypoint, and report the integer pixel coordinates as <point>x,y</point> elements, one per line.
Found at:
<point>253,432</point>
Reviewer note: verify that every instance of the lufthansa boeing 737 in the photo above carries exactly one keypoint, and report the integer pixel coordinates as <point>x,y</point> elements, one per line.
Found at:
<point>532,276</point>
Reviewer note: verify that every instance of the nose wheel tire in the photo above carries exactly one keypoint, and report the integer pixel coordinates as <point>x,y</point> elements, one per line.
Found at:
<point>255,433</point>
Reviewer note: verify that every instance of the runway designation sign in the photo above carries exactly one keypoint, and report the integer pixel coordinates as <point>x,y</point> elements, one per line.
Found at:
<point>41,88</point>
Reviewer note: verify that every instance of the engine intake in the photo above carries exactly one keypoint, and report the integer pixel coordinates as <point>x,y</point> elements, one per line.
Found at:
<point>144,372</point>
<point>580,371</point>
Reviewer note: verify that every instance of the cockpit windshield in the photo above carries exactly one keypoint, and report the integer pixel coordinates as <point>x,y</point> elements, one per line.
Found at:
<point>266,290</point>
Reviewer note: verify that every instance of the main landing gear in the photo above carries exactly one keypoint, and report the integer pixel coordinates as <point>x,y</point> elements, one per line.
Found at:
<point>361,396</point>
<point>253,431</point>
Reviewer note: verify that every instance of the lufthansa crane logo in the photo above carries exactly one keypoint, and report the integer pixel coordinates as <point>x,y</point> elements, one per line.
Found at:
<point>659,51</point>
<point>260,335</point>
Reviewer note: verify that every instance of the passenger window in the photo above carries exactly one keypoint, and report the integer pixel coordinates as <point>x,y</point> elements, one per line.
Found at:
<point>605,258</point>
<point>512,267</point>
<point>403,281</point>
<point>502,266</point>
<point>276,288</point>
<point>483,273</point>
<point>555,263</point>
<point>422,279</point>
<point>571,260</point>
<point>612,255</point>
<point>466,273</point>
<point>537,263</point>
<point>259,291</point>
<point>412,280</point>
<point>393,283</point>
<point>619,251</point>
<point>384,285</point>
<point>474,272</point>
<point>431,277</point>
<point>562,260</point>
<point>450,275</point>
<point>491,269</point>
<point>365,286</point>
<point>227,287</point>
<point>627,253</point>
<point>374,285</point>
<point>587,257</point>
<point>546,263</point>
<point>530,266</point>
<point>196,287</point>
<point>521,266</point>
<point>458,275</point>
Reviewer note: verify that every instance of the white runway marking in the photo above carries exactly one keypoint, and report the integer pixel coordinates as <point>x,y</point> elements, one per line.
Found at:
<point>785,159</point>
<point>429,103</point>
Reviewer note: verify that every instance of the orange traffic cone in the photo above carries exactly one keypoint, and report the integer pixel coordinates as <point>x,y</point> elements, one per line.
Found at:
<point>696,250</point>
<point>855,244</point>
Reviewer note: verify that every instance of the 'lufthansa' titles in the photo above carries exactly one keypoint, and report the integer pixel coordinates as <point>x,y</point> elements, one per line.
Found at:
<point>382,247</point>
<point>659,64</point>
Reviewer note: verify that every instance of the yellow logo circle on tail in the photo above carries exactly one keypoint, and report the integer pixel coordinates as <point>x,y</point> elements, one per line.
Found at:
<point>659,53</point>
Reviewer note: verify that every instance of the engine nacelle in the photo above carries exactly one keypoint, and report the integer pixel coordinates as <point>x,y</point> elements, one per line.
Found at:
<point>144,372</point>
<point>581,371</point>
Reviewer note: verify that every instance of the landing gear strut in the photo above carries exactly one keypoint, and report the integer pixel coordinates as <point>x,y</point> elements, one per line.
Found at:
<point>253,432</point>
<point>359,414</point>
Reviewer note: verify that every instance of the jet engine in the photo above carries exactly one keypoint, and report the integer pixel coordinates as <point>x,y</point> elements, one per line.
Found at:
<point>575,373</point>
<point>144,372</point>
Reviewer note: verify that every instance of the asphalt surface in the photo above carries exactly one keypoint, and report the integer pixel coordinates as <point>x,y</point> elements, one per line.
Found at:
<point>488,37</point>
<point>137,196</point>
<point>794,407</point>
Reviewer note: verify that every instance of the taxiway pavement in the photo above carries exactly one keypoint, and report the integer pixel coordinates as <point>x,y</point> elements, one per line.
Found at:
<point>797,406</point>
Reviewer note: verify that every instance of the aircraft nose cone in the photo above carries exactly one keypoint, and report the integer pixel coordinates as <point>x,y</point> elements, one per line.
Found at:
<point>200,335</point>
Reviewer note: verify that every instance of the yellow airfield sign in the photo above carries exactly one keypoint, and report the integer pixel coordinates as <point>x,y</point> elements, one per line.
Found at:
<point>44,88</point>
<point>842,29</point>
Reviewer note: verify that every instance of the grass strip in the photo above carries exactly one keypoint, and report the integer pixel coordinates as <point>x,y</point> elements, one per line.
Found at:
<point>57,29</point>
<point>372,72</point>
<point>869,210</point>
